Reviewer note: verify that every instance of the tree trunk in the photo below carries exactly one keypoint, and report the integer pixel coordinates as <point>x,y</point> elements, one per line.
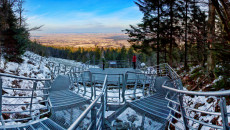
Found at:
<point>211,33</point>
<point>171,33</point>
<point>165,53</point>
<point>186,38</point>
<point>158,28</point>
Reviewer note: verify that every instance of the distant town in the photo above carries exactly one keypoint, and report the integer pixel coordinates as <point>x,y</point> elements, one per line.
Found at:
<point>87,40</point>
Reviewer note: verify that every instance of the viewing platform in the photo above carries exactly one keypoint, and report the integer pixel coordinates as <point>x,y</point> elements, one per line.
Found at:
<point>73,93</point>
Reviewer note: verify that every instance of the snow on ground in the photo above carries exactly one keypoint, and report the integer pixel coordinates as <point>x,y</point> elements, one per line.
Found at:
<point>29,68</point>
<point>33,66</point>
<point>203,103</point>
<point>130,119</point>
<point>112,93</point>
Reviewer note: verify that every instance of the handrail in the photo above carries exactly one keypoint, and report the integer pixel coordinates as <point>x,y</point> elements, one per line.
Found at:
<point>104,84</point>
<point>216,93</point>
<point>139,73</point>
<point>84,114</point>
<point>21,77</point>
<point>179,104</point>
<point>91,107</point>
<point>46,83</point>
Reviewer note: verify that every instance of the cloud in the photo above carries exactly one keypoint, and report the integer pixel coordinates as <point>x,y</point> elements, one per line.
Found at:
<point>79,21</point>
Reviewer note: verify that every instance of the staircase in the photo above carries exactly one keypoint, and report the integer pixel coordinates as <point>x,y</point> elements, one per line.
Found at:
<point>60,95</point>
<point>154,105</point>
<point>42,124</point>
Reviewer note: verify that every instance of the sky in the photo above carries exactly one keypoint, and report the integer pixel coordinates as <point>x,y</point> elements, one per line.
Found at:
<point>81,16</point>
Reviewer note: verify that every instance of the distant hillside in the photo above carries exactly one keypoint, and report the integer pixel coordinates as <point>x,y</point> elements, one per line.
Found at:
<point>83,39</point>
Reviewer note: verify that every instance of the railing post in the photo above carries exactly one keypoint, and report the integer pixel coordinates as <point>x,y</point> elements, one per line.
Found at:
<point>0,96</point>
<point>135,87</point>
<point>83,81</point>
<point>46,91</point>
<point>93,118</point>
<point>124,80</point>
<point>54,71</point>
<point>119,89</point>
<point>65,70</point>
<point>103,111</point>
<point>32,96</point>
<point>59,67</point>
<point>77,82</point>
<point>106,99</point>
<point>94,88</point>
<point>91,84</point>
<point>143,87</point>
<point>224,113</point>
<point>166,70</point>
<point>183,114</point>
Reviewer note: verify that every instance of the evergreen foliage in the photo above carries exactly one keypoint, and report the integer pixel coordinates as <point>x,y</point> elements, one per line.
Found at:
<point>92,54</point>
<point>14,38</point>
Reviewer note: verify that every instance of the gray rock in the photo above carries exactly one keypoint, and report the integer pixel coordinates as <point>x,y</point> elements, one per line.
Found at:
<point>210,100</point>
<point>199,105</point>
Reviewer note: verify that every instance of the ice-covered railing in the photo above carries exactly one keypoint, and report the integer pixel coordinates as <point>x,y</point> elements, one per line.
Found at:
<point>95,82</point>
<point>84,77</point>
<point>179,107</point>
<point>97,111</point>
<point>180,110</point>
<point>111,63</point>
<point>162,70</point>
<point>136,81</point>
<point>62,69</point>
<point>165,70</point>
<point>23,99</point>
<point>115,85</point>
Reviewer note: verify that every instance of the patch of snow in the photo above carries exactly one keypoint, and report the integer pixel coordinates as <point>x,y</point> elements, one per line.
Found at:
<point>218,79</point>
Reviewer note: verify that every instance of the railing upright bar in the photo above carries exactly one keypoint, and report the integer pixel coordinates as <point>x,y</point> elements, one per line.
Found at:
<point>224,113</point>
<point>106,96</point>
<point>135,88</point>
<point>94,87</point>
<point>65,70</point>
<point>91,84</point>
<point>47,85</point>
<point>166,70</point>
<point>59,67</point>
<point>32,96</point>
<point>124,79</point>
<point>183,114</point>
<point>1,99</point>
<point>93,118</point>
<point>144,82</point>
<point>103,111</point>
<point>119,89</point>
<point>83,81</point>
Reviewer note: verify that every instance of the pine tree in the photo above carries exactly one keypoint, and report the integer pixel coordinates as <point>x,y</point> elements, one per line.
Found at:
<point>146,36</point>
<point>15,38</point>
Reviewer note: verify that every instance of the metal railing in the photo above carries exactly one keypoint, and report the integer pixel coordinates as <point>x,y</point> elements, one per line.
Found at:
<point>33,100</point>
<point>111,63</point>
<point>83,78</point>
<point>176,97</point>
<point>137,80</point>
<point>57,69</point>
<point>97,115</point>
<point>143,81</point>
<point>112,84</point>
<point>185,109</point>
